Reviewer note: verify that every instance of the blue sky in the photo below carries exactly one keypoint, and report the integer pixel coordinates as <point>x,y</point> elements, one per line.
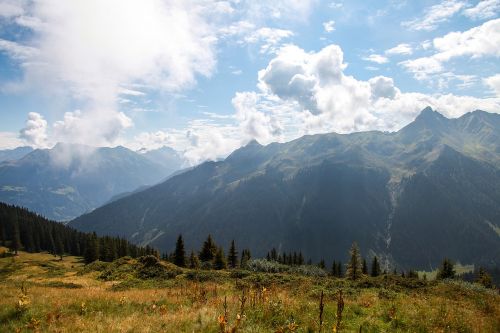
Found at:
<point>205,77</point>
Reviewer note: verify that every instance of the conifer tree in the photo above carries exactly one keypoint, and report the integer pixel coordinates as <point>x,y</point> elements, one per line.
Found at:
<point>91,249</point>
<point>194,262</point>
<point>321,264</point>
<point>220,259</point>
<point>364,267</point>
<point>245,257</point>
<point>232,257</point>
<point>180,253</point>
<point>208,250</point>
<point>16,237</point>
<point>59,245</point>
<point>354,269</point>
<point>340,271</point>
<point>446,270</point>
<point>484,278</point>
<point>375,271</point>
<point>334,268</point>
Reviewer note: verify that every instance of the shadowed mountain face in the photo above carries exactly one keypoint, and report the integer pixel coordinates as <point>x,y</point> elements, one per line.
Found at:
<point>69,180</point>
<point>412,197</point>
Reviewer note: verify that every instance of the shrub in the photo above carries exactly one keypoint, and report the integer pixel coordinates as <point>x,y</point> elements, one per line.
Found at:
<point>266,266</point>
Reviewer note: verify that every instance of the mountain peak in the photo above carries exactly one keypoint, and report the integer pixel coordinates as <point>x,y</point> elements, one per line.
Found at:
<point>428,114</point>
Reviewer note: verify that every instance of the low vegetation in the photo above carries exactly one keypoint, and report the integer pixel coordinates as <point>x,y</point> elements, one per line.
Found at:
<point>41,293</point>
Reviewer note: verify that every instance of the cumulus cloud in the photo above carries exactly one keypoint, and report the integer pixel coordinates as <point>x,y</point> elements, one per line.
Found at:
<point>34,132</point>
<point>480,41</point>
<point>484,9</point>
<point>435,15</point>
<point>329,26</point>
<point>94,50</point>
<point>400,49</point>
<point>329,100</point>
<point>11,8</point>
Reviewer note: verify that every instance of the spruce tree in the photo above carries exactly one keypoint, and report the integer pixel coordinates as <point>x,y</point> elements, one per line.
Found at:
<point>59,245</point>
<point>194,262</point>
<point>321,264</point>
<point>91,249</point>
<point>232,257</point>
<point>16,237</point>
<point>354,269</point>
<point>340,270</point>
<point>220,259</point>
<point>208,250</point>
<point>446,271</point>
<point>365,267</point>
<point>375,267</point>
<point>334,268</point>
<point>484,278</point>
<point>245,257</point>
<point>180,254</point>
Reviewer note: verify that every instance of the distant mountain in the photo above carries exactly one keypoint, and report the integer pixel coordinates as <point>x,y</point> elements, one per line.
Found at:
<point>14,154</point>
<point>413,197</point>
<point>69,180</point>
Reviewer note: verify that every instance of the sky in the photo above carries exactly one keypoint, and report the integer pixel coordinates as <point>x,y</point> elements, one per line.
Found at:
<point>206,77</point>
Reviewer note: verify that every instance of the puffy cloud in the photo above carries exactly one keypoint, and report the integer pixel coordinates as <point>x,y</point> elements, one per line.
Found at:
<point>328,100</point>
<point>35,131</point>
<point>376,58</point>
<point>484,9</point>
<point>383,87</point>
<point>403,48</point>
<point>494,83</point>
<point>435,15</point>
<point>95,127</point>
<point>16,50</point>
<point>329,26</point>
<point>480,41</point>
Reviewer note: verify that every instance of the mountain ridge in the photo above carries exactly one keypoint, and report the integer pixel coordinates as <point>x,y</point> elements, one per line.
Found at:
<point>319,193</point>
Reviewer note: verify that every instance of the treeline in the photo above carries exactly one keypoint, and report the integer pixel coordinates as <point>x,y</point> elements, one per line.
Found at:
<point>21,229</point>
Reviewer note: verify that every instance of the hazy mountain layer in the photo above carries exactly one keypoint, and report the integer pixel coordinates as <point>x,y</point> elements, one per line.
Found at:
<point>428,191</point>
<point>69,180</point>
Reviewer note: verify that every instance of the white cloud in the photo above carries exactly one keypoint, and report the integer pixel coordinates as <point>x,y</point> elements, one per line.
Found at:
<point>484,9</point>
<point>400,49</point>
<point>35,131</point>
<point>435,15</point>
<point>269,38</point>
<point>494,83</point>
<point>376,58</point>
<point>108,45</point>
<point>329,26</point>
<point>10,140</point>
<point>477,42</point>
<point>16,50</point>
<point>11,8</point>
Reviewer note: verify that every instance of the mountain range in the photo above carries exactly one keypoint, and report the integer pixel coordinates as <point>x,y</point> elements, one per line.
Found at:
<point>68,180</point>
<point>412,197</point>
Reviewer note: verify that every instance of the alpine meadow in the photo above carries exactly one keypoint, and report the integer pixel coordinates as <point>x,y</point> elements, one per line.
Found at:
<point>249,166</point>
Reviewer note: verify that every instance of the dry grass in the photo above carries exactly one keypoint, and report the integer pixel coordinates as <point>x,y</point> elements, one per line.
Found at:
<point>60,300</point>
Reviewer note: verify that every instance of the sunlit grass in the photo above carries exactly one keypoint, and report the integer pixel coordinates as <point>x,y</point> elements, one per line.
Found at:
<point>71,302</point>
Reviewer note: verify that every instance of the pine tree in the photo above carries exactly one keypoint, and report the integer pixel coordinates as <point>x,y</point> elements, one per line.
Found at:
<point>446,271</point>
<point>194,262</point>
<point>91,249</point>
<point>334,268</point>
<point>220,259</point>
<point>354,270</point>
<point>484,278</point>
<point>59,245</point>
<point>245,257</point>
<point>364,267</point>
<point>208,250</point>
<point>180,254</point>
<point>321,264</point>
<point>375,267</point>
<point>16,237</point>
<point>232,258</point>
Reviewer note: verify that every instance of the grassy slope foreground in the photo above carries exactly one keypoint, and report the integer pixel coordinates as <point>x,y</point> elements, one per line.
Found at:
<point>131,295</point>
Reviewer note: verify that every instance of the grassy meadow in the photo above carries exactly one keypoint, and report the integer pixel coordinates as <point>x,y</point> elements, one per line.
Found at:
<point>40,293</point>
